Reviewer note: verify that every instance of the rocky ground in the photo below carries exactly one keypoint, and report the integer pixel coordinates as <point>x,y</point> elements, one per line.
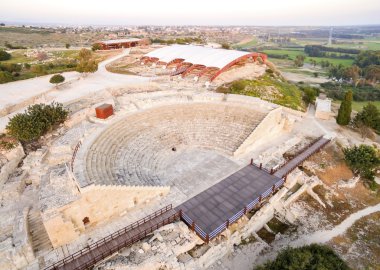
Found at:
<point>343,194</point>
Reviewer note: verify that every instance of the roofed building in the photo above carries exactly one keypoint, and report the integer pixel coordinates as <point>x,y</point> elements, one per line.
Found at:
<point>122,43</point>
<point>198,60</point>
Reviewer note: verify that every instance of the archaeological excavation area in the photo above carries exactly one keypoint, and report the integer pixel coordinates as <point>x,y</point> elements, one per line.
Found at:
<point>130,164</point>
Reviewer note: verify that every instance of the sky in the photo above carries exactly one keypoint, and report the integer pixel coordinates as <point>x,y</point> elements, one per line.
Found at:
<point>192,12</point>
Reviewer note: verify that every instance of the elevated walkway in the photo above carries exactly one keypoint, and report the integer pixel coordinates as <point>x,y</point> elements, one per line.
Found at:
<point>309,150</point>
<point>94,253</point>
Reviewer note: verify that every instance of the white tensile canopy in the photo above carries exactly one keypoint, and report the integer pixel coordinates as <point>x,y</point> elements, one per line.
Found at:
<point>197,55</point>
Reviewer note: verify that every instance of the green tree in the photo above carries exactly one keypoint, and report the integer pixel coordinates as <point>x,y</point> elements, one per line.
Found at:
<point>96,47</point>
<point>312,257</point>
<point>345,109</point>
<point>369,116</point>
<point>67,45</point>
<point>336,72</point>
<point>87,63</point>
<point>352,73</point>
<point>367,58</point>
<point>57,79</point>
<point>363,159</point>
<point>372,73</point>
<point>299,61</point>
<point>36,121</point>
<point>226,46</point>
<point>4,55</point>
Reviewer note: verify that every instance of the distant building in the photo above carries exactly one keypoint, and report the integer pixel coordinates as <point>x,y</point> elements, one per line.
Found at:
<point>122,43</point>
<point>323,107</point>
<point>199,61</point>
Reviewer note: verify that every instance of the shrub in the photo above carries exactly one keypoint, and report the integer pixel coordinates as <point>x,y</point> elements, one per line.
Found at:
<point>56,79</point>
<point>4,55</point>
<point>38,69</point>
<point>36,121</point>
<point>5,77</point>
<point>309,94</point>
<point>7,143</point>
<point>226,46</point>
<point>306,258</point>
<point>86,63</point>
<point>96,47</point>
<point>10,67</point>
<point>363,159</point>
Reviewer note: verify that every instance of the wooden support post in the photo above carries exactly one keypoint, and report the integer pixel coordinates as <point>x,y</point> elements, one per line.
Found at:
<point>227,223</point>
<point>245,210</point>
<point>207,239</point>
<point>286,176</point>
<point>273,188</point>
<point>260,198</point>
<point>261,165</point>
<point>193,226</point>
<point>251,161</point>
<point>271,171</point>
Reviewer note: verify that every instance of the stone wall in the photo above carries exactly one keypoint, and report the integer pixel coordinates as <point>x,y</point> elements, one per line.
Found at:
<point>98,204</point>
<point>16,252</point>
<point>13,157</point>
<point>270,127</point>
<point>176,247</point>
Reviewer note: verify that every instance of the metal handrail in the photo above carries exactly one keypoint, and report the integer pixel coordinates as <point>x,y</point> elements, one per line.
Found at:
<point>104,240</point>
<point>303,149</point>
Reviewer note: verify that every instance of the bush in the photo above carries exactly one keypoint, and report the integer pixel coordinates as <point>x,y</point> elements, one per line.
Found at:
<point>226,46</point>
<point>309,94</point>
<point>36,121</point>
<point>87,63</point>
<point>5,77</point>
<point>4,55</point>
<point>306,258</point>
<point>56,79</point>
<point>38,69</point>
<point>7,143</point>
<point>10,67</point>
<point>362,159</point>
<point>96,47</point>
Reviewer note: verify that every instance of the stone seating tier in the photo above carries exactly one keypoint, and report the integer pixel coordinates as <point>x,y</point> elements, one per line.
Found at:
<point>136,149</point>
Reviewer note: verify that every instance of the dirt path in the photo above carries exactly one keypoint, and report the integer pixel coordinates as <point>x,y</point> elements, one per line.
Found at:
<point>327,235</point>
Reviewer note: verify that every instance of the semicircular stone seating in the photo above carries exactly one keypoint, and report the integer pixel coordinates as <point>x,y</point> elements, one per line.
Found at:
<point>135,150</point>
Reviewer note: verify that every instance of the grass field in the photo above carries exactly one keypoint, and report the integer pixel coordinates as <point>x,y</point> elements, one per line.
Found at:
<point>292,54</point>
<point>268,87</point>
<point>249,44</point>
<point>358,105</point>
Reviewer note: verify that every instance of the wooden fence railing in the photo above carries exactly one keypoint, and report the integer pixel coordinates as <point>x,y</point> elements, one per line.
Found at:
<point>79,144</point>
<point>110,249</point>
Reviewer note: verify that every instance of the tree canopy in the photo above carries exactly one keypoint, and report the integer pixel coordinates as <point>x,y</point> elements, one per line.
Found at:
<point>312,257</point>
<point>367,58</point>
<point>87,63</point>
<point>345,109</point>
<point>36,121</point>
<point>363,159</point>
<point>369,116</point>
